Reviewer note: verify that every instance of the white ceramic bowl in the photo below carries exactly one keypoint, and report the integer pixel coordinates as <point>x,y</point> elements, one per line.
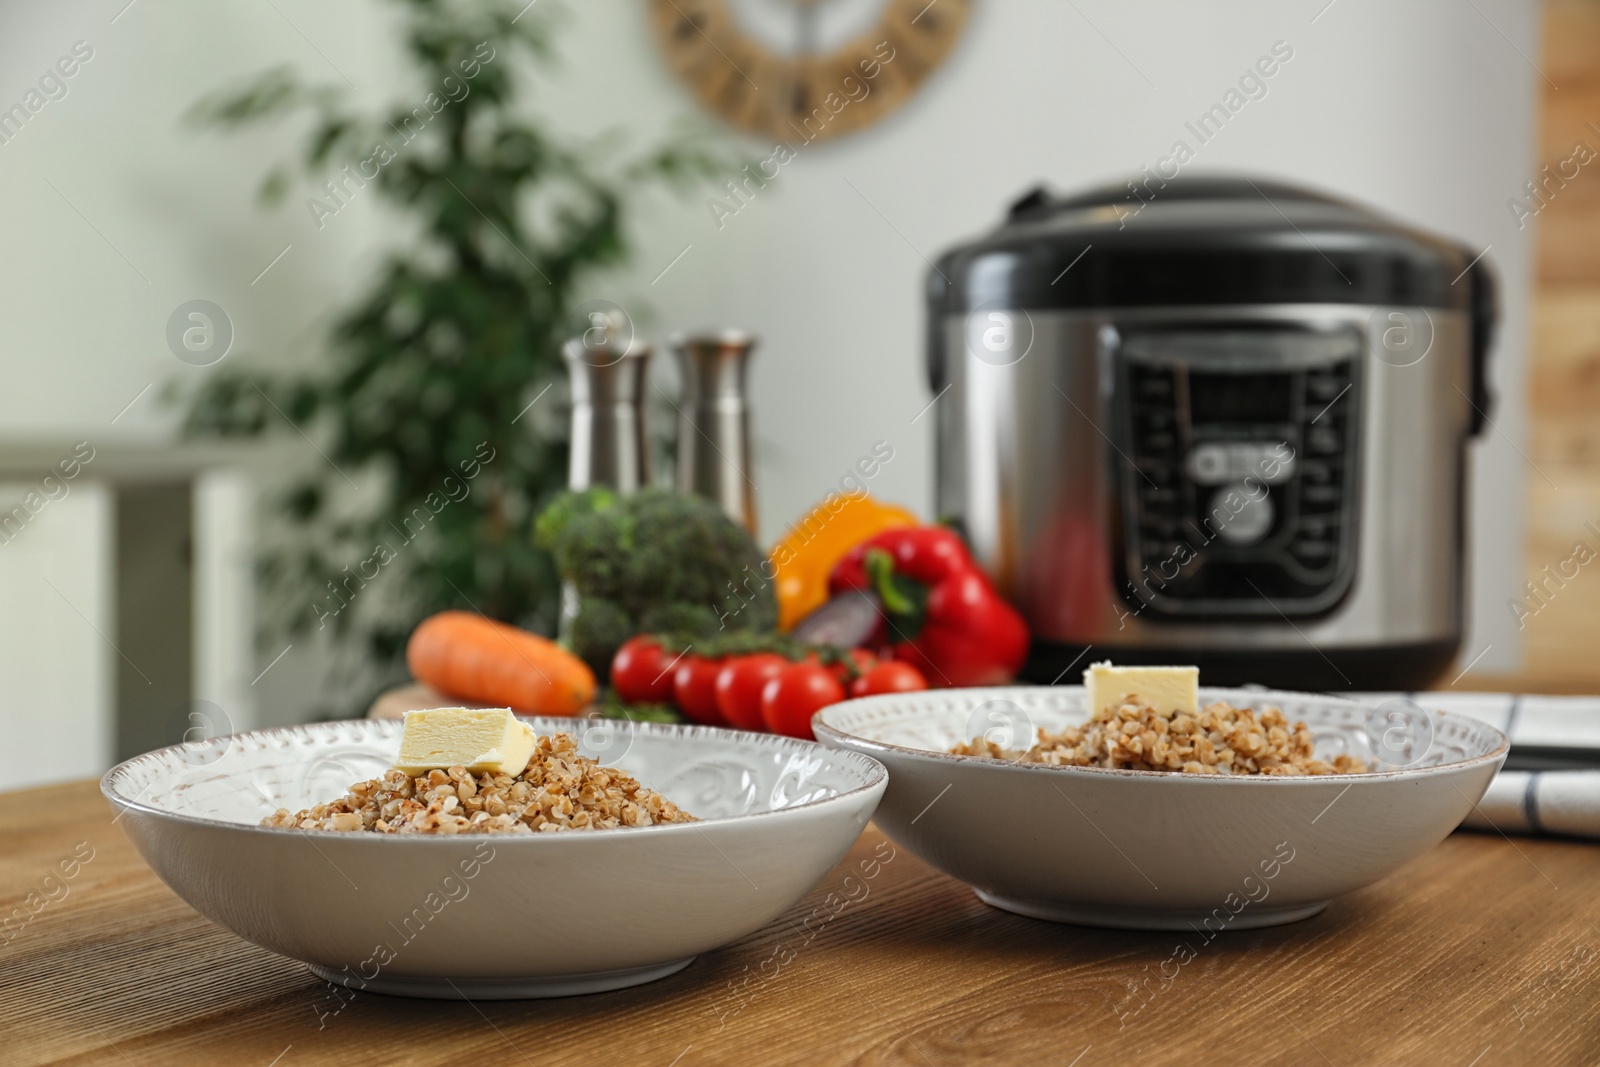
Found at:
<point>495,916</point>
<point>1156,850</point>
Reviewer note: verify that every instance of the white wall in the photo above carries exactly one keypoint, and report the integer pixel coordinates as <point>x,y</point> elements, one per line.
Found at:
<point>113,212</point>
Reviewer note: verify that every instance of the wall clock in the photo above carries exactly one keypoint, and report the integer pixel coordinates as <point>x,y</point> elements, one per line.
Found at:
<point>805,70</point>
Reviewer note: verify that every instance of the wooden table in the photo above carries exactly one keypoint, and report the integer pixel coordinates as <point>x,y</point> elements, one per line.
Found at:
<point>1484,952</point>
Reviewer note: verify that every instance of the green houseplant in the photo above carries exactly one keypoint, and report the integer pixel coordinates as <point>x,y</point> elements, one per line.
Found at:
<point>431,366</point>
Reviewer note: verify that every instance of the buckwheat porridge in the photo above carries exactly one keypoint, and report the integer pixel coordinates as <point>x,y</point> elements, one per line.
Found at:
<point>1218,739</point>
<point>557,790</point>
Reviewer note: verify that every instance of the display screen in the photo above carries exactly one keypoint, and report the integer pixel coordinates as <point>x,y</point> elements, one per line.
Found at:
<point>1240,397</point>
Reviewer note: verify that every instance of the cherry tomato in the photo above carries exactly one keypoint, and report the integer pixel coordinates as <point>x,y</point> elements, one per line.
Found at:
<point>789,700</point>
<point>641,671</point>
<point>694,689</point>
<point>739,686</point>
<point>888,677</point>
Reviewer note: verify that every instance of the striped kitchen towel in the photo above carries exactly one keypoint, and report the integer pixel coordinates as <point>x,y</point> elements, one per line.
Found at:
<point>1551,784</point>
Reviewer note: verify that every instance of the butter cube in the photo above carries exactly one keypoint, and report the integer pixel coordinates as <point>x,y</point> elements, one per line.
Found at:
<point>490,740</point>
<point>1168,690</point>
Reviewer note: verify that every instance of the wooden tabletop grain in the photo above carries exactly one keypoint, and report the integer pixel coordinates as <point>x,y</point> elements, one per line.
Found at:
<point>1486,951</point>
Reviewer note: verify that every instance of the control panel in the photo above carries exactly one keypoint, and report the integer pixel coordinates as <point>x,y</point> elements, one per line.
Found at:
<point>1239,464</point>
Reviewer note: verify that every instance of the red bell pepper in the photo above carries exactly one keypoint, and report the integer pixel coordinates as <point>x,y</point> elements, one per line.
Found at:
<point>942,614</point>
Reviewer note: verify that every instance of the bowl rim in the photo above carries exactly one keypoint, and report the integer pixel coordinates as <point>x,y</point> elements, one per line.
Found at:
<point>876,778</point>
<point>833,736</point>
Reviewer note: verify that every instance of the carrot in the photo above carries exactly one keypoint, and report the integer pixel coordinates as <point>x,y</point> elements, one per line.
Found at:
<point>473,658</point>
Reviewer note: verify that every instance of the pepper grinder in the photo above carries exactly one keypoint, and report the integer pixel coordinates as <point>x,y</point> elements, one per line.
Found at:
<point>609,445</point>
<point>714,457</point>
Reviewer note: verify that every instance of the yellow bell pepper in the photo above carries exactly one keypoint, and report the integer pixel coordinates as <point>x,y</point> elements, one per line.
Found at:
<point>802,561</point>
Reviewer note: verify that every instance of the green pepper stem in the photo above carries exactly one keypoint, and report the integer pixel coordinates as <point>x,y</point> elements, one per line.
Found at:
<point>904,600</point>
<point>880,571</point>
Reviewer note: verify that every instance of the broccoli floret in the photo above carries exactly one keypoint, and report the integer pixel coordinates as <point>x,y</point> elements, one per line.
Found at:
<point>597,624</point>
<point>680,618</point>
<point>654,561</point>
<point>563,509</point>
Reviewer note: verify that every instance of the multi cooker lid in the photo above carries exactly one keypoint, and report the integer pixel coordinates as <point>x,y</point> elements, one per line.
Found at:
<point>1202,241</point>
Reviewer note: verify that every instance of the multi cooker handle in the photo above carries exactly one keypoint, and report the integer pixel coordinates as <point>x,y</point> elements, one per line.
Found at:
<point>936,292</point>
<point>1036,201</point>
<point>1485,313</point>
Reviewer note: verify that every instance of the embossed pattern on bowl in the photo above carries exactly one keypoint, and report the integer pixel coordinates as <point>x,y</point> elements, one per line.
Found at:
<point>545,914</point>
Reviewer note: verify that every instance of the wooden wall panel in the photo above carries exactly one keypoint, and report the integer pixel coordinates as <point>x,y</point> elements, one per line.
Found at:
<point>1562,636</point>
